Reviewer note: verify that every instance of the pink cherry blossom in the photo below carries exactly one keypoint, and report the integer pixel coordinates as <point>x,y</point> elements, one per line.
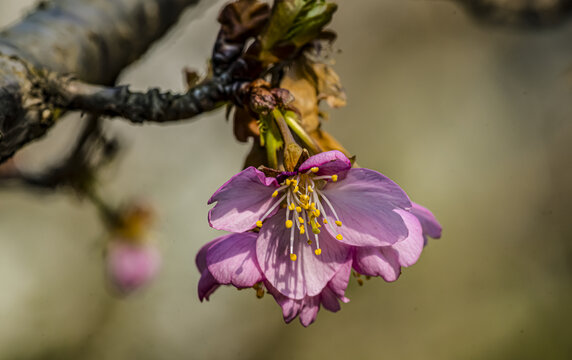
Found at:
<point>300,233</point>
<point>131,265</point>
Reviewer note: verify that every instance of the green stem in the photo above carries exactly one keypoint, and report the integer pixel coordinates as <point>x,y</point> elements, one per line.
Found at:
<point>292,121</point>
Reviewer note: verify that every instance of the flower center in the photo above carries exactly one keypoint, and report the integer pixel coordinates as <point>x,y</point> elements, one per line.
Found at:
<point>305,211</point>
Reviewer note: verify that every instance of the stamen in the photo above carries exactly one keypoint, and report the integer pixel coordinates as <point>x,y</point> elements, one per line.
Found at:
<point>338,222</point>
<point>276,204</point>
<point>289,224</point>
<point>300,220</point>
<point>296,189</point>
<point>293,257</point>
<point>298,209</point>
<point>302,229</point>
<point>306,221</point>
<point>318,251</point>
<point>334,178</point>
<point>259,223</point>
<point>292,206</point>
<point>339,237</point>
<point>315,169</point>
<point>325,221</point>
<point>275,193</point>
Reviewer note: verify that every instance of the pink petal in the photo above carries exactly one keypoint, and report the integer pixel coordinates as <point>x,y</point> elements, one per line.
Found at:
<point>309,274</point>
<point>242,201</point>
<point>364,202</point>
<point>207,285</point>
<point>339,282</point>
<point>330,300</point>
<point>328,163</point>
<point>377,261</point>
<point>290,308</point>
<point>431,226</point>
<point>201,258</point>
<point>310,308</point>
<point>232,260</point>
<point>409,250</point>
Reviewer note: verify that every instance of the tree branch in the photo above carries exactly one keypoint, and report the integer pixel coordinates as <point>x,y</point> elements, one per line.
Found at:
<point>519,13</point>
<point>93,39</point>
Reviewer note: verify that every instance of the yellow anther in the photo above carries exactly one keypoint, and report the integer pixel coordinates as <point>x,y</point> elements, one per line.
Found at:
<point>334,178</point>
<point>317,213</point>
<point>325,221</point>
<point>296,189</point>
<point>304,198</point>
<point>298,209</point>
<point>338,222</point>
<point>260,293</point>
<point>293,257</point>
<point>259,223</point>
<point>275,193</point>
<point>309,242</point>
<point>305,206</point>
<point>294,182</point>
<point>302,230</point>
<point>318,224</point>
<point>313,206</point>
<point>300,219</point>
<point>310,189</point>
<point>318,251</point>
<point>339,237</point>
<point>288,182</point>
<point>315,169</point>
<point>292,207</point>
<point>315,230</point>
<point>289,224</point>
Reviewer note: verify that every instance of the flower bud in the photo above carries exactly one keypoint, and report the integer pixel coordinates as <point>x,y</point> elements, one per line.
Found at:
<point>130,265</point>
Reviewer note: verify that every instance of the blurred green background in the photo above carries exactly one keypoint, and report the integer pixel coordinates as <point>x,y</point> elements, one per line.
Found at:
<point>472,121</point>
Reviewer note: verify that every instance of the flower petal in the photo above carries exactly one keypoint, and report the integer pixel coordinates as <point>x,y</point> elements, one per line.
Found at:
<point>409,250</point>
<point>201,258</point>
<point>242,201</point>
<point>309,274</point>
<point>207,285</point>
<point>330,300</point>
<point>377,261</point>
<point>431,226</point>
<point>364,201</point>
<point>339,282</point>
<point>232,260</point>
<point>290,308</point>
<point>328,163</point>
<point>310,308</point>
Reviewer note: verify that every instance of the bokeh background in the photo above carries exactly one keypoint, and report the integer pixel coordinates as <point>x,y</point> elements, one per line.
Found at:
<point>472,121</point>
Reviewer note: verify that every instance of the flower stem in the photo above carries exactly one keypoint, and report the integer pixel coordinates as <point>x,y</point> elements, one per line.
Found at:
<point>292,151</point>
<point>292,121</point>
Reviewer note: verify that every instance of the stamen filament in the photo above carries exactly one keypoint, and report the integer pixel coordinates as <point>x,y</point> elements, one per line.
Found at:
<point>276,204</point>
